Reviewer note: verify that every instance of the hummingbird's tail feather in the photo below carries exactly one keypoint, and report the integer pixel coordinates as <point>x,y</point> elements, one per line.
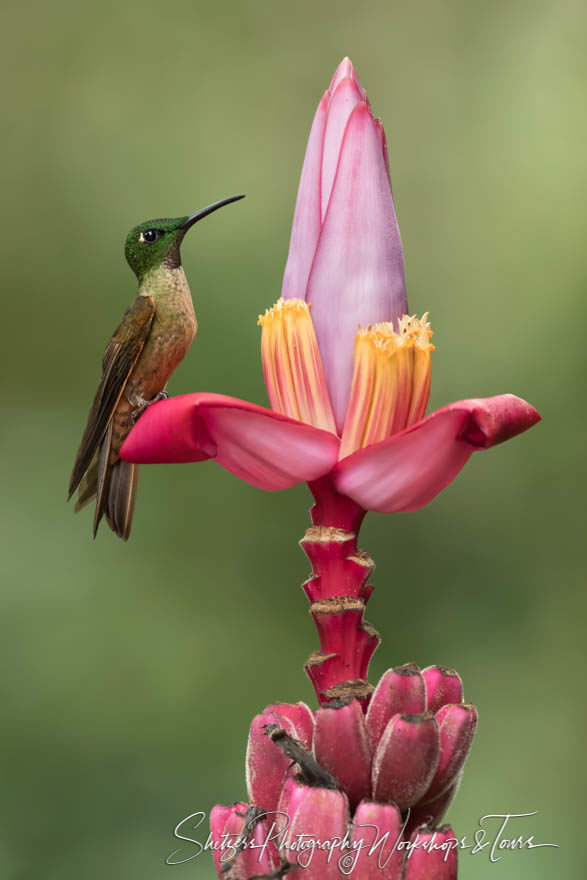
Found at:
<point>88,486</point>
<point>115,490</point>
<point>122,491</point>
<point>113,485</point>
<point>102,477</point>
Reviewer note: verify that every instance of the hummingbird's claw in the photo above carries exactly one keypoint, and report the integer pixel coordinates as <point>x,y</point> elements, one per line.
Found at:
<point>140,405</point>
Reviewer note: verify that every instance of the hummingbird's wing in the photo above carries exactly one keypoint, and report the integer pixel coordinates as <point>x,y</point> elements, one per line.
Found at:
<point>118,362</point>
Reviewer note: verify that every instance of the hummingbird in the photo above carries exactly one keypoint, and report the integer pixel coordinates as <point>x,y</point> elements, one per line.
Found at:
<point>149,343</point>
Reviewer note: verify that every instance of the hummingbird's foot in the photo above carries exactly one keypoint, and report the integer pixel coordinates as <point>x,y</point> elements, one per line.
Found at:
<point>139,404</point>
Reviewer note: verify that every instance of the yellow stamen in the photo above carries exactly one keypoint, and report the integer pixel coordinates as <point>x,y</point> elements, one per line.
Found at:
<point>292,365</point>
<point>391,381</point>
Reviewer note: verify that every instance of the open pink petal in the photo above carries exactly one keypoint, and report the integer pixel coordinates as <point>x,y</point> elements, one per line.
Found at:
<point>358,274</point>
<point>307,217</point>
<point>409,469</point>
<point>262,447</point>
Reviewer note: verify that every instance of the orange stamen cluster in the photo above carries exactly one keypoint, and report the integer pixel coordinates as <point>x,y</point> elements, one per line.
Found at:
<point>292,365</point>
<point>391,381</point>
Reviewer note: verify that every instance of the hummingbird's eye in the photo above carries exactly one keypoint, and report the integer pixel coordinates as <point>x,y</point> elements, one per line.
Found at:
<point>150,235</point>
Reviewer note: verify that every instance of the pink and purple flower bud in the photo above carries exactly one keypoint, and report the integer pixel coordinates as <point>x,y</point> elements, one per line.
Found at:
<point>345,255</point>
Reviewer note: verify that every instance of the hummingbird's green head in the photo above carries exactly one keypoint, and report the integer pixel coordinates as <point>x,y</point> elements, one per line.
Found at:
<point>157,243</point>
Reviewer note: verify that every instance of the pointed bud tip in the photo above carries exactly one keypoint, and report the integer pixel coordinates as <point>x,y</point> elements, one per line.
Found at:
<point>345,70</point>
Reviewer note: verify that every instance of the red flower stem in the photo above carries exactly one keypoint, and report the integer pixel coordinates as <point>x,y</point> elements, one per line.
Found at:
<point>338,592</point>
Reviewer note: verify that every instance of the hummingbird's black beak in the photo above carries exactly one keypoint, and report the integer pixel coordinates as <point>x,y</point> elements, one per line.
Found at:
<point>199,215</point>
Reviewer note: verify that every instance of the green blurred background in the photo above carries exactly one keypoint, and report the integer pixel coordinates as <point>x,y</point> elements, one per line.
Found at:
<point>131,672</point>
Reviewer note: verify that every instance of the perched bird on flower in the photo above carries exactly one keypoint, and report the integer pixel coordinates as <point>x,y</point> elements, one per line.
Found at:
<point>348,371</point>
<point>148,344</point>
<point>347,366</point>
